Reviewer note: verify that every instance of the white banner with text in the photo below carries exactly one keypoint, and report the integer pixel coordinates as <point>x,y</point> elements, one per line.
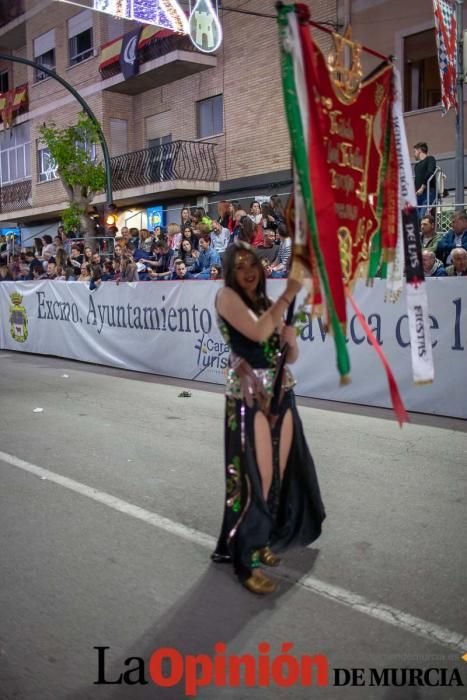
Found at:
<point>170,328</point>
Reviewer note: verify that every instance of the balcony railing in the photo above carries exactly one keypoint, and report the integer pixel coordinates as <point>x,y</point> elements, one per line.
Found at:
<point>155,46</point>
<point>10,10</point>
<point>16,196</point>
<point>178,160</point>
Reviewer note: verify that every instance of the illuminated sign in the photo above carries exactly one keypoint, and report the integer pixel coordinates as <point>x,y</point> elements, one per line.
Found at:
<point>202,24</point>
<point>162,13</point>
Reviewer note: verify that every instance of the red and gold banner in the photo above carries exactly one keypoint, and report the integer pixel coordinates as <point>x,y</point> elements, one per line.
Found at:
<point>351,135</point>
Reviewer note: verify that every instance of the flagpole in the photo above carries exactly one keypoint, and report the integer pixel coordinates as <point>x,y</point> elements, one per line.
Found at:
<point>460,109</point>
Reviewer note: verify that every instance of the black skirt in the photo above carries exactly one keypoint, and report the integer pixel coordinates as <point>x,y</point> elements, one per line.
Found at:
<point>293,514</point>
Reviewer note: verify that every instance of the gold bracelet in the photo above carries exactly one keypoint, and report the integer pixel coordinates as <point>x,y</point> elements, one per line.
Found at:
<point>287,301</point>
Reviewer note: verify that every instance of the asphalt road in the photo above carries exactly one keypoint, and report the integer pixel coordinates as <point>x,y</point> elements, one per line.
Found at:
<point>111,497</point>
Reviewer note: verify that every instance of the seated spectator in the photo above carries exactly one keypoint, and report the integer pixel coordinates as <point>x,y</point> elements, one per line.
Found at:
<point>249,232</point>
<point>456,237</point>
<point>96,259</point>
<point>188,254</point>
<point>219,237</point>
<point>268,220</point>
<point>88,253</point>
<point>431,265</point>
<point>215,272</point>
<point>128,271</point>
<point>96,277</point>
<point>285,250</point>
<point>108,274</point>
<point>226,213</point>
<point>49,249</point>
<point>146,239</point>
<point>5,274</point>
<point>277,209</point>
<point>118,250</point>
<point>160,258</point>
<point>51,269</point>
<point>185,219</point>
<point>61,257</point>
<point>459,263</point>
<point>239,214</point>
<point>70,274</point>
<point>255,212</point>
<point>429,237</point>
<point>37,271</point>
<point>174,236</point>
<point>269,238</point>
<point>188,235</point>
<point>76,258</point>
<point>207,257</point>
<point>180,272</point>
<point>38,247</point>
<point>269,273</point>
<point>202,218</point>
<point>85,275</point>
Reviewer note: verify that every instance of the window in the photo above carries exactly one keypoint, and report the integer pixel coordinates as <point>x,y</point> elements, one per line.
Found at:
<point>44,53</point>
<point>4,81</point>
<point>210,116</point>
<point>46,166</point>
<point>80,39</point>
<point>118,136</point>
<point>422,86</point>
<point>15,149</point>
<point>152,143</point>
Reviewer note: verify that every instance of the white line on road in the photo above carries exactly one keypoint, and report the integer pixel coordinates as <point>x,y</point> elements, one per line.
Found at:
<point>380,611</point>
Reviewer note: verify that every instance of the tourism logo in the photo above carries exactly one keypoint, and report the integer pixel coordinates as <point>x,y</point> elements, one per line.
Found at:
<point>211,354</point>
<point>18,319</point>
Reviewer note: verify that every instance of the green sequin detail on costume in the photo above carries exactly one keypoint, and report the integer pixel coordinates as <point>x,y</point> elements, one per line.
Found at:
<point>271,348</point>
<point>234,485</point>
<point>255,560</point>
<point>231,414</point>
<point>224,330</point>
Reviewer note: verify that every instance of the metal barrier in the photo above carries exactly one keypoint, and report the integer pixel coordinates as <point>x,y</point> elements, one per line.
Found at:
<point>104,245</point>
<point>443,214</point>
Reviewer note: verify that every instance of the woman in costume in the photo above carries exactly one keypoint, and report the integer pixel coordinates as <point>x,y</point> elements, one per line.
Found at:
<point>272,494</point>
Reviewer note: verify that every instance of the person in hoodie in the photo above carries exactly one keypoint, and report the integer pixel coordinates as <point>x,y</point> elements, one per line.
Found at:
<point>431,265</point>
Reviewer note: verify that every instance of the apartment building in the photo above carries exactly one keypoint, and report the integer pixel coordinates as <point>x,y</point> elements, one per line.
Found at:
<point>190,127</point>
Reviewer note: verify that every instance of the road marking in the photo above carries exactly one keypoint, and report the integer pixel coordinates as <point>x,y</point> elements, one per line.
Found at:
<point>379,611</point>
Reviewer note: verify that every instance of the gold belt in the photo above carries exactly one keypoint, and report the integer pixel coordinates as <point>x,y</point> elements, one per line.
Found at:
<point>266,378</point>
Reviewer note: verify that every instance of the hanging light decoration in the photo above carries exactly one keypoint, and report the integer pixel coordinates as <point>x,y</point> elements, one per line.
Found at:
<point>205,28</point>
<point>202,25</point>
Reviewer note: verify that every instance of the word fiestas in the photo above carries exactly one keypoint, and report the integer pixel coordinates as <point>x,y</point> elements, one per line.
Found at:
<point>168,667</point>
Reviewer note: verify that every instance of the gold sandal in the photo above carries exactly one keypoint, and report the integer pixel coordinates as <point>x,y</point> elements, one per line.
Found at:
<point>268,557</point>
<point>259,583</point>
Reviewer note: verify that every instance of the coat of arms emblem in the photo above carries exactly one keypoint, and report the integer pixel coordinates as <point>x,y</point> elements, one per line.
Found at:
<point>18,319</point>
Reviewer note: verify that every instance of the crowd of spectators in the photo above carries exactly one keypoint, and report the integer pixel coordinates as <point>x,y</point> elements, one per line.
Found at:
<point>193,249</point>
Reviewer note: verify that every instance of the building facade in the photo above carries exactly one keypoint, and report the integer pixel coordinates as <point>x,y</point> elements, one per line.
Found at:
<point>190,127</point>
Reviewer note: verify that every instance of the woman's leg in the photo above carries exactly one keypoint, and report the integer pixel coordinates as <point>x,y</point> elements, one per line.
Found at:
<point>285,440</point>
<point>263,448</point>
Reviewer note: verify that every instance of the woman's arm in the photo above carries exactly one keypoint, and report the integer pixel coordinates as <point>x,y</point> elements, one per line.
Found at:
<point>234,310</point>
<point>289,336</point>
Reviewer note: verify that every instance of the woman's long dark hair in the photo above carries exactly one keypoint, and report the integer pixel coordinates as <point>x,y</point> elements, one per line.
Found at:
<point>261,302</point>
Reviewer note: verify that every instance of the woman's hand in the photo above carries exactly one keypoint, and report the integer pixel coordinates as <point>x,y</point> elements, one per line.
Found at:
<point>289,336</point>
<point>293,287</point>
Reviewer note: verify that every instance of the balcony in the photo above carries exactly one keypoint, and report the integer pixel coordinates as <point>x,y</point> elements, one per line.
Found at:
<point>12,24</point>
<point>15,196</point>
<point>163,56</point>
<point>180,167</point>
